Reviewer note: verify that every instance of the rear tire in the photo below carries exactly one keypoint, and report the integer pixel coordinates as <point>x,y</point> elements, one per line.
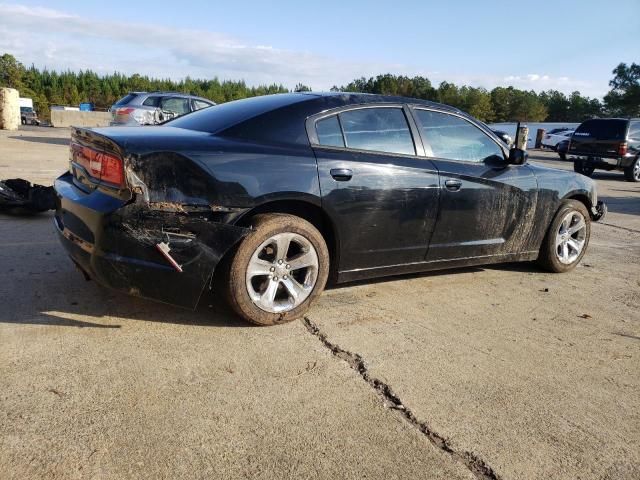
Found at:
<point>278,270</point>
<point>567,239</point>
<point>583,168</point>
<point>632,172</point>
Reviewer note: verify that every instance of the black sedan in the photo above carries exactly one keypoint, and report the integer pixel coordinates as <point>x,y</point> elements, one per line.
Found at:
<point>277,194</point>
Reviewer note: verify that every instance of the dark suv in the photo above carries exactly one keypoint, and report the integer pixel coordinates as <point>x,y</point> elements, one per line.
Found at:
<point>151,108</point>
<point>607,144</point>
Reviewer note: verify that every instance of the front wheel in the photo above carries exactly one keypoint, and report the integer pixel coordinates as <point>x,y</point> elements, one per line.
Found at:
<point>567,238</point>
<point>632,172</point>
<point>279,269</point>
<point>582,167</point>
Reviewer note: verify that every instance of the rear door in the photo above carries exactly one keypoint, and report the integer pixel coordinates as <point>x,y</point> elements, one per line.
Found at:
<point>486,206</point>
<point>382,197</point>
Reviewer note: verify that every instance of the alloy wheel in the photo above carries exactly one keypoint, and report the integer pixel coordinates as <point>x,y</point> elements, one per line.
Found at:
<point>570,238</point>
<point>282,272</point>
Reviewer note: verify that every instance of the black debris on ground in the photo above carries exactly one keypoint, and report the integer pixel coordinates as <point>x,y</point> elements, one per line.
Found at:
<point>20,196</point>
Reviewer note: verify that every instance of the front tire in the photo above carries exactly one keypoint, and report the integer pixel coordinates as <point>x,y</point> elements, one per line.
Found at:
<point>632,172</point>
<point>278,270</point>
<point>566,241</point>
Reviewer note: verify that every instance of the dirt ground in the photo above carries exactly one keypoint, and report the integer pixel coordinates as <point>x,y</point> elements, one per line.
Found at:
<point>498,372</point>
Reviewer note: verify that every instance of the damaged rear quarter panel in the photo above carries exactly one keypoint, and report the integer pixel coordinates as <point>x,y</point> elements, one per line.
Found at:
<point>190,199</point>
<point>197,244</point>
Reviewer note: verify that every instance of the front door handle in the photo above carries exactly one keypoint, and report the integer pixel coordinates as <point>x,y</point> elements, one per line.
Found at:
<point>453,185</point>
<point>341,174</point>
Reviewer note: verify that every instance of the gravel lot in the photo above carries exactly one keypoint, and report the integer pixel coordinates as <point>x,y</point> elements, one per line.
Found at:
<point>499,372</point>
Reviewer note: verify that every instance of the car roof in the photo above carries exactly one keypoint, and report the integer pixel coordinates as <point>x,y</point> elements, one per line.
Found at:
<point>354,98</point>
<point>624,119</point>
<point>281,118</point>
<point>173,94</point>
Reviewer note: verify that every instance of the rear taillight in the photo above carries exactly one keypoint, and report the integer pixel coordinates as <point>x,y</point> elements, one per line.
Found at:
<point>622,148</point>
<point>99,165</point>
<point>124,111</point>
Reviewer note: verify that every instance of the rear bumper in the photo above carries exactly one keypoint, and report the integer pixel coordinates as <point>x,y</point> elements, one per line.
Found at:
<point>115,243</point>
<point>604,162</point>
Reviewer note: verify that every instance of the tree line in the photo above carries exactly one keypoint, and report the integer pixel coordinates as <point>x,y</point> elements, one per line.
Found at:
<point>509,104</point>
<point>501,104</point>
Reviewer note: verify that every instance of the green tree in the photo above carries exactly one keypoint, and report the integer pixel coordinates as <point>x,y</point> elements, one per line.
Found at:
<point>11,72</point>
<point>624,97</point>
<point>301,88</point>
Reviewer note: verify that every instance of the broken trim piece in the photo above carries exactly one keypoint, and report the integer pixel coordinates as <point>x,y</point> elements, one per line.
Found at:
<point>164,249</point>
<point>476,465</point>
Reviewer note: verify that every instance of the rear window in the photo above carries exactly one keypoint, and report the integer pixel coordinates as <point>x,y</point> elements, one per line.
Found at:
<point>226,115</point>
<point>126,99</point>
<point>602,130</point>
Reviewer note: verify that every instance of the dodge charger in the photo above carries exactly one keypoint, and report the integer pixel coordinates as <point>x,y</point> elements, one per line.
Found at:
<point>268,198</point>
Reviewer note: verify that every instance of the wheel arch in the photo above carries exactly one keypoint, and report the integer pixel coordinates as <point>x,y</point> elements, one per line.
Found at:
<point>580,196</point>
<point>309,211</point>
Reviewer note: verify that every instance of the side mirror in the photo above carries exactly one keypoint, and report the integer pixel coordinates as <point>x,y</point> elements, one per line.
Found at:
<point>517,156</point>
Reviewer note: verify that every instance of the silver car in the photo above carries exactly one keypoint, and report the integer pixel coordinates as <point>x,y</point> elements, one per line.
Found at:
<point>151,108</point>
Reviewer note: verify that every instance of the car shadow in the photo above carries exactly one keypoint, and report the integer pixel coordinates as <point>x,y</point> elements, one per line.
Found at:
<point>626,205</point>
<point>46,140</point>
<point>39,285</point>
<point>405,276</point>
<point>604,175</point>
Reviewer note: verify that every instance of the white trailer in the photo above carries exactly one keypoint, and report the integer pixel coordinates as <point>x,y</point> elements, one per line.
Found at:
<point>26,102</point>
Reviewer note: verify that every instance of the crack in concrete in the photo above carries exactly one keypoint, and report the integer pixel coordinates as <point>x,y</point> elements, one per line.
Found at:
<point>476,465</point>
<point>618,226</point>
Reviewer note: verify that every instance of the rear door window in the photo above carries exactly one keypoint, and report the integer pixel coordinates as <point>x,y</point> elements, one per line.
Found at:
<point>377,129</point>
<point>199,105</point>
<point>453,138</point>
<point>602,130</point>
<point>329,132</point>
<point>176,105</point>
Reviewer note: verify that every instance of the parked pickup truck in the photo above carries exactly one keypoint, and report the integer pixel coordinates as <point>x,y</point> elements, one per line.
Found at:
<point>607,144</point>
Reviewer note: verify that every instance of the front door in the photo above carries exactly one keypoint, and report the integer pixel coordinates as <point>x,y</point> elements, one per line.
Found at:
<point>382,197</point>
<point>486,206</point>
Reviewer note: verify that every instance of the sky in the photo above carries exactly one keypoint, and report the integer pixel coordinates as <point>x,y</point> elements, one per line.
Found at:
<point>565,45</point>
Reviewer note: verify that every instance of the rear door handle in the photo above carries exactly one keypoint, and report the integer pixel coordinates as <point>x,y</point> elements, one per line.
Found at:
<point>453,185</point>
<point>341,174</point>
